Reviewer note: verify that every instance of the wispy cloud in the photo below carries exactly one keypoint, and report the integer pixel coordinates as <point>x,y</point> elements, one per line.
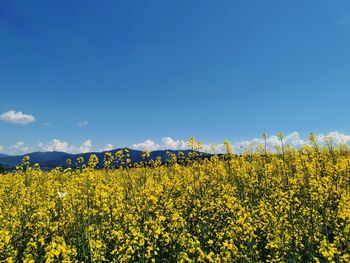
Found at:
<point>17,117</point>
<point>20,148</point>
<point>82,123</point>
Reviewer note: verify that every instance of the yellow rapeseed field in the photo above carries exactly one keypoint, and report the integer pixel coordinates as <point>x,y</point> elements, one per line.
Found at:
<point>290,205</point>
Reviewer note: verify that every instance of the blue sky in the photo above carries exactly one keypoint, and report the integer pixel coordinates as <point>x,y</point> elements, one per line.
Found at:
<point>122,72</point>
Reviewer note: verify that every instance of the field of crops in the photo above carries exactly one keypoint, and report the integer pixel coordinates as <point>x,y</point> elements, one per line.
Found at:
<point>287,206</point>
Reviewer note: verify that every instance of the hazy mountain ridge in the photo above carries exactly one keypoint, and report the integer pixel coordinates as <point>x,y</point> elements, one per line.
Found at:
<point>51,160</point>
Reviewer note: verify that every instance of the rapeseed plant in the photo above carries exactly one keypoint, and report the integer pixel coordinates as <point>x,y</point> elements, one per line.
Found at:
<point>258,206</point>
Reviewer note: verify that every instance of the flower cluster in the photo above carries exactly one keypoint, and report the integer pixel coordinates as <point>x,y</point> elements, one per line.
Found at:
<point>288,206</point>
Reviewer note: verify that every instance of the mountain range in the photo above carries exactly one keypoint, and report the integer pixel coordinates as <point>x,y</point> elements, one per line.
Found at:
<point>50,160</point>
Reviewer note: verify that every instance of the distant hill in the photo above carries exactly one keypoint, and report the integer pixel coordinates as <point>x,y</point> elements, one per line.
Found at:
<point>49,160</point>
<point>2,155</point>
<point>35,157</point>
<point>135,157</point>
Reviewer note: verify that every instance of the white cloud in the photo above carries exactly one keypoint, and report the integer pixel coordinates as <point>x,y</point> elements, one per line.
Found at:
<point>56,145</point>
<point>337,137</point>
<point>147,145</point>
<point>46,124</point>
<point>17,117</point>
<point>168,143</point>
<point>107,148</point>
<point>171,144</point>
<point>82,123</point>
<point>272,141</point>
<point>62,146</point>
<point>2,148</point>
<point>293,139</point>
<point>86,146</point>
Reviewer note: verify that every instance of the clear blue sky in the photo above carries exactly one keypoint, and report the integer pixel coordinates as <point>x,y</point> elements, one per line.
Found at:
<point>137,70</point>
